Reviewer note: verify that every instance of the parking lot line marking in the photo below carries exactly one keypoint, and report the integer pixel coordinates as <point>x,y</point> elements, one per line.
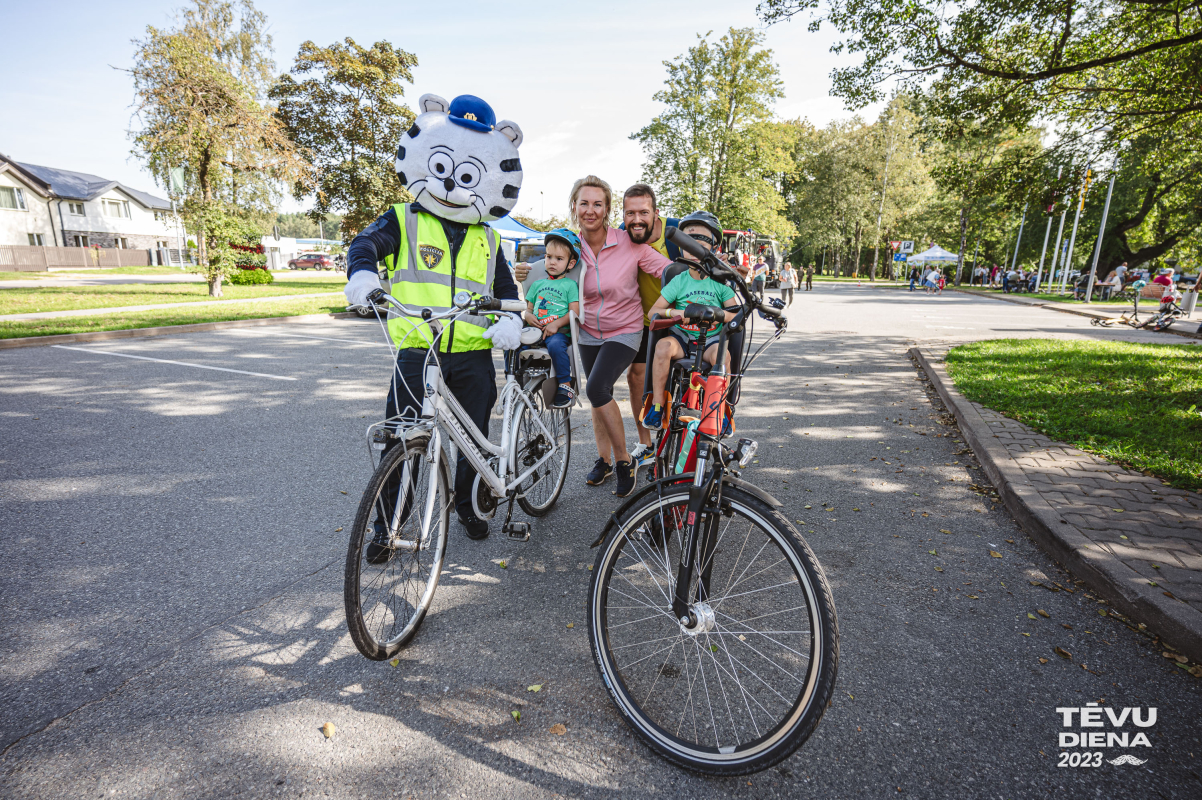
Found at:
<point>178,363</point>
<point>320,338</point>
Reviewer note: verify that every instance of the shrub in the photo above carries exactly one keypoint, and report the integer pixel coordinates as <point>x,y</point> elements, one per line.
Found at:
<point>250,277</point>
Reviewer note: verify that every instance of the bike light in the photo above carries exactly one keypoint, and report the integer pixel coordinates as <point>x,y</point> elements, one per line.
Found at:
<point>746,451</point>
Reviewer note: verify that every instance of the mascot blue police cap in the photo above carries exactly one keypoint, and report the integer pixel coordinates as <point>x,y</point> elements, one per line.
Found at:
<point>459,162</point>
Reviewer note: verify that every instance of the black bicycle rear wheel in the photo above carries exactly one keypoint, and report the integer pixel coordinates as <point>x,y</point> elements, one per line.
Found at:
<point>743,692</point>
<point>538,493</point>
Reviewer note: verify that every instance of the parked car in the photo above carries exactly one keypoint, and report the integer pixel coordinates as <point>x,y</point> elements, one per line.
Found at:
<point>311,261</point>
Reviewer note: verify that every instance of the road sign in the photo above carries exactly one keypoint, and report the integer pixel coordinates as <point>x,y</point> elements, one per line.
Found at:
<point>175,180</point>
<point>899,257</point>
<point>894,245</point>
<point>907,247</point>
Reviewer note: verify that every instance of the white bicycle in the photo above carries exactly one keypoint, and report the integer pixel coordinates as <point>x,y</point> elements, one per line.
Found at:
<point>399,538</point>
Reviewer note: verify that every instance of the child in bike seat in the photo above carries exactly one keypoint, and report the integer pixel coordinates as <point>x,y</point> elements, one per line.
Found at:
<point>547,305</point>
<point>691,286</point>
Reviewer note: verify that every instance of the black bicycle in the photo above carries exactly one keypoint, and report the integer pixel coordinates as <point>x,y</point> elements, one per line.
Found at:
<point>711,620</point>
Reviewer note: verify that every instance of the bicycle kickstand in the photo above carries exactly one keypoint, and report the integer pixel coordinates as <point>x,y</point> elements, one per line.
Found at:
<point>519,531</point>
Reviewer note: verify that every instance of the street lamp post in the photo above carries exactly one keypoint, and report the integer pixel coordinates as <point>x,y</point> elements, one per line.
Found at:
<point>1097,251</point>
<point>1072,241</point>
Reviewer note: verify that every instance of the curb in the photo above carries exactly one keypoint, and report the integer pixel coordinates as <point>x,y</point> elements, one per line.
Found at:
<point>1126,590</point>
<point>97,312</point>
<point>165,330</point>
<point>1057,307</point>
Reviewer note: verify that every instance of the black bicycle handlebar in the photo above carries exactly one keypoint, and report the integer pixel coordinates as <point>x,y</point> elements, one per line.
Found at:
<point>713,266</point>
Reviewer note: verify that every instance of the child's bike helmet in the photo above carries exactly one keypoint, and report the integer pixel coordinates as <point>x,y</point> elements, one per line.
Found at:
<point>567,237</point>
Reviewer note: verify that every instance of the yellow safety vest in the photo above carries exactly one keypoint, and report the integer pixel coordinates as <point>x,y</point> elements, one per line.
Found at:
<point>429,278</point>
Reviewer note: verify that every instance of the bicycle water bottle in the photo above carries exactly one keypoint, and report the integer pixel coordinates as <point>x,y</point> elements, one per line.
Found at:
<point>687,447</point>
<point>713,414</point>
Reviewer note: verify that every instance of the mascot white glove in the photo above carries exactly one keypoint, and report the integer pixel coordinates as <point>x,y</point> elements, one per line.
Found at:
<point>506,333</point>
<point>362,283</point>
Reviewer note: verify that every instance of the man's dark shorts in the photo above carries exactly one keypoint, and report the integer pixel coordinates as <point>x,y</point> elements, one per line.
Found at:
<point>641,356</point>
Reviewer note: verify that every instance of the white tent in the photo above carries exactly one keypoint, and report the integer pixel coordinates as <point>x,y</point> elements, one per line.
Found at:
<point>936,253</point>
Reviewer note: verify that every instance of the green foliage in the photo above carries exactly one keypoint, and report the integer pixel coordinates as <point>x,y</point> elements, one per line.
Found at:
<point>550,223</point>
<point>1127,402</point>
<point>342,105</point>
<point>199,98</point>
<point>716,145</point>
<point>301,226</point>
<point>250,277</point>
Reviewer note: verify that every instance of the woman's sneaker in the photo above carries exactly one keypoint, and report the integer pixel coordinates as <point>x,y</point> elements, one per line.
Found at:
<point>643,455</point>
<point>627,477</point>
<point>601,472</point>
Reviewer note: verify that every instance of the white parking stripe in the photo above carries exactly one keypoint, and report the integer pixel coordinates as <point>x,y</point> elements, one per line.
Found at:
<point>318,338</point>
<point>166,361</point>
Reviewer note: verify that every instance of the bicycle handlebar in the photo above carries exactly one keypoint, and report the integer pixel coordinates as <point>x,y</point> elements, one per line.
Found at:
<point>713,266</point>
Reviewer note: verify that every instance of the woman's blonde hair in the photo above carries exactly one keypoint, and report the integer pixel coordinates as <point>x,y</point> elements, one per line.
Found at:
<point>589,180</point>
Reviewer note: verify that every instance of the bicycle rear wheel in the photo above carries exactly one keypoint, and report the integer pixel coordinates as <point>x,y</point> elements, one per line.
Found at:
<point>745,690</point>
<point>391,569</point>
<point>538,493</point>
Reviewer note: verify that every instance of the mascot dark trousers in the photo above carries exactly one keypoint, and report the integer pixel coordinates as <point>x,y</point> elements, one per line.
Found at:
<point>464,372</point>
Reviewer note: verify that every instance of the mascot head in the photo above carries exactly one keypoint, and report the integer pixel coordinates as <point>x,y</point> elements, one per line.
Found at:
<point>459,162</point>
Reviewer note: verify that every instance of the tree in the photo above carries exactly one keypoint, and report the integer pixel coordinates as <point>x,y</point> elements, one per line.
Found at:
<point>716,145</point>
<point>302,226</point>
<point>199,95</point>
<point>341,104</point>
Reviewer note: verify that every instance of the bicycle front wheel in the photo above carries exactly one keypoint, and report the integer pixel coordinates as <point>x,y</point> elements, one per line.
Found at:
<point>538,493</point>
<point>743,691</point>
<point>396,549</point>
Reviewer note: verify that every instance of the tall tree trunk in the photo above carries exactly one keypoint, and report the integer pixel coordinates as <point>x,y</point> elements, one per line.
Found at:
<point>202,242</point>
<point>963,241</point>
<point>855,269</point>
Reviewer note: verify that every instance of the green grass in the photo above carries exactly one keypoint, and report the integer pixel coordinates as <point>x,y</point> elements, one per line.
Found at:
<point>1139,405</point>
<point>24,276</point>
<point>34,299</point>
<point>122,271</point>
<point>170,316</point>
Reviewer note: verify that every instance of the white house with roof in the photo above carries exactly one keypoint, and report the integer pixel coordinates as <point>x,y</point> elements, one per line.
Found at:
<point>56,207</point>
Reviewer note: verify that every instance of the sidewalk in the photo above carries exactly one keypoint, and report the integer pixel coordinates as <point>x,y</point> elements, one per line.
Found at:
<point>1136,541</point>
<point>1096,311</point>
<point>87,312</point>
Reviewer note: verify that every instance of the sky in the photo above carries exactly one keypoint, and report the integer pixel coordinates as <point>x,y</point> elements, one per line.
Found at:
<point>577,78</point>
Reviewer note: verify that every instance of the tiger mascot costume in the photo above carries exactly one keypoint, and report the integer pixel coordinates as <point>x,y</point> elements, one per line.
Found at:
<point>461,166</point>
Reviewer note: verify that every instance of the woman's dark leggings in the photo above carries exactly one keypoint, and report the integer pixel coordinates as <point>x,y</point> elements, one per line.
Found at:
<point>786,294</point>
<point>604,364</point>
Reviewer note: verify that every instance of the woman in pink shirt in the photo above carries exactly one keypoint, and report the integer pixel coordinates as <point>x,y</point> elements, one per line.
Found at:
<point>611,325</point>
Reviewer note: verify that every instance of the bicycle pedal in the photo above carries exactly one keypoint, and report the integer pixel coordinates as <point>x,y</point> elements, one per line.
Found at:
<point>519,531</point>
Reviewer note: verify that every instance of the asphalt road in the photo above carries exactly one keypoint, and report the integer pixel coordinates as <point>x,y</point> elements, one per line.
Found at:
<point>171,587</point>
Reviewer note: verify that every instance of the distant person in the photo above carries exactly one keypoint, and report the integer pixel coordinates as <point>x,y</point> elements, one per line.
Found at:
<point>1164,277</point>
<point>788,282</point>
<point>930,281</point>
<point>759,277</point>
<point>809,277</point>
<point>915,277</point>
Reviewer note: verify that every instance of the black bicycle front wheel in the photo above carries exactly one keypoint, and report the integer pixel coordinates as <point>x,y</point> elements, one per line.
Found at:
<point>396,549</point>
<point>743,691</point>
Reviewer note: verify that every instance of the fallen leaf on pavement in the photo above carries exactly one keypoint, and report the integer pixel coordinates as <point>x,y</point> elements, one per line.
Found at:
<point>1031,616</point>
<point>939,569</point>
<point>1060,651</point>
<point>808,507</point>
<point>571,624</point>
<point>944,530</point>
<point>517,715</point>
<point>1043,661</point>
<point>558,729</point>
<point>1175,657</point>
<point>995,554</point>
<point>932,552</point>
<point>1042,613</point>
<point>341,492</point>
<point>328,729</point>
<point>394,662</point>
<point>336,530</point>
<point>1026,634</point>
<point>502,565</point>
<point>1196,670</point>
<point>538,687</point>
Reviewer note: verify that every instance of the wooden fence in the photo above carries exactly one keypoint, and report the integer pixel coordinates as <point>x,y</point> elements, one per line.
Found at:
<point>24,258</point>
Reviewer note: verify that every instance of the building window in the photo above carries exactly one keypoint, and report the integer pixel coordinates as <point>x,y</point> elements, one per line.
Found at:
<point>76,208</point>
<point>162,216</point>
<point>114,208</point>
<point>162,245</point>
<point>12,198</point>
<point>36,240</point>
<point>121,243</point>
<point>81,240</point>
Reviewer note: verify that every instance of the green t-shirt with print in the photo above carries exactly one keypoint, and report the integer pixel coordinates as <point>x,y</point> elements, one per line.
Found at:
<point>685,289</point>
<point>551,299</point>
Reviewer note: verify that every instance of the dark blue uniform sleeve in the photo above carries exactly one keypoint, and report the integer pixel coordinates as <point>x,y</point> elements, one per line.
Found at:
<point>503,285</point>
<point>378,240</point>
